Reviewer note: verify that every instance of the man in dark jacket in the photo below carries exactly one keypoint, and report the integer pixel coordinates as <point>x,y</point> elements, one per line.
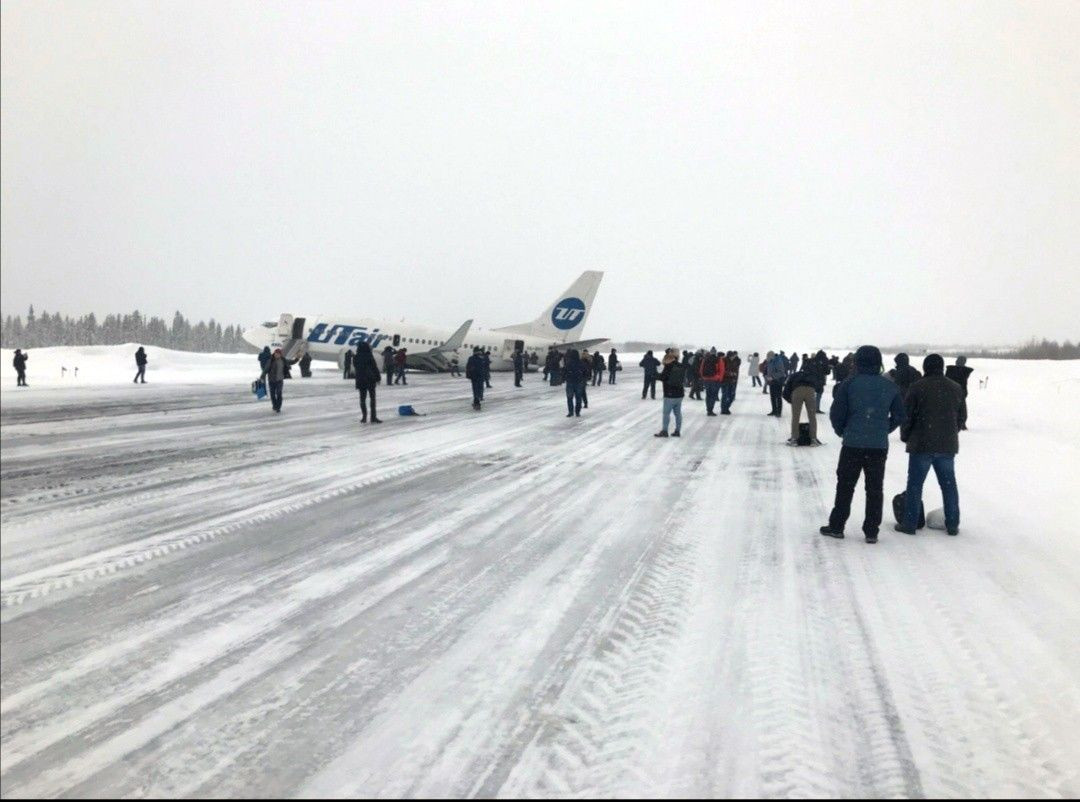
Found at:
<point>487,368</point>
<point>934,409</point>
<point>959,373</point>
<point>19,363</point>
<point>474,372</point>
<point>732,363</point>
<point>519,366</point>
<point>673,384</point>
<point>400,358</point>
<point>140,365</point>
<point>865,409</point>
<point>574,374</point>
<point>274,373</point>
<point>598,368</point>
<point>366,373</point>
<point>651,365</point>
<point>612,366</point>
<point>903,374</point>
<point>388,363</point>
<point>264,358</point>
<point>305,366</point>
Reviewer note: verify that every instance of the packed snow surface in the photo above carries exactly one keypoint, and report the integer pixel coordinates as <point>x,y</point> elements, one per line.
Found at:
<point>201,598</point>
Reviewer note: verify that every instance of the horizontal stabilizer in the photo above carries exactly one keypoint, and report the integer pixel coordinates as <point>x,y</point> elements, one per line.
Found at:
<point>581,344</point>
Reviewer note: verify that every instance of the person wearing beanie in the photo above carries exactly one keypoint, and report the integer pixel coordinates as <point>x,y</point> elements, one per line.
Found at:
<point>903,374</point>
<point>959,373</point>
<point>865,409</point>
<point>934,416</point>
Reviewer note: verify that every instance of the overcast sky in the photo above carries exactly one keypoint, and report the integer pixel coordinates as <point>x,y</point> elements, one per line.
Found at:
<point>747,174</point>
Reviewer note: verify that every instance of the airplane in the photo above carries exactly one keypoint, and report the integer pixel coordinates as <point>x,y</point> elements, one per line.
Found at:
<point>430,348</point>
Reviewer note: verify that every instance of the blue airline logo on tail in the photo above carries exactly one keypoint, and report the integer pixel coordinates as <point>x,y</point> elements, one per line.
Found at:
<point>568,313</point>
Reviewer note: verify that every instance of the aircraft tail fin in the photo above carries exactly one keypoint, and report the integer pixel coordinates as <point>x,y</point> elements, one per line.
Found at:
<point>565,317</point>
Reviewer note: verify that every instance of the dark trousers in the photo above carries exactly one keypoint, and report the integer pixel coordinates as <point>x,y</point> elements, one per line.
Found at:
<point>776,396</point>
<point>477,390</point>
<point>611,376</point>
<point>275,394</point>
<point>649,388</point>
<point>518,374</point>
<point>400,376</point>
<point>585,393</point>
<point>597,376</point>
<point>141,373</point>
<point>871,463</point>
<point>727,395</point>
<point>712,392</point>
<point>575,393</point>
<point>365,393</point>
<point>21,378</point>
<point>755,380</point>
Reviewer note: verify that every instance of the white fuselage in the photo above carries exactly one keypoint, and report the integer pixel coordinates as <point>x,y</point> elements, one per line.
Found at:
<point>328,338</point>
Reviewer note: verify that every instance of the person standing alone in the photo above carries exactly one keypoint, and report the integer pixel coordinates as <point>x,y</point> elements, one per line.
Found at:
<point>366,374</point>
<point>140,366</point>
<point>650,364</point>
<point>20,368</point>
<point>474,372</point>
<point>612,366</point>
<point>274,373</point>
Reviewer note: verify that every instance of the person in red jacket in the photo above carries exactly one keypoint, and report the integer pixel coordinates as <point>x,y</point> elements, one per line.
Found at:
<point>711,372</point>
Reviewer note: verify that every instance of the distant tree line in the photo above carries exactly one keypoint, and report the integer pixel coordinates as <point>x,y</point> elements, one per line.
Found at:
<point>41,331</point>
<point>1035,349</point>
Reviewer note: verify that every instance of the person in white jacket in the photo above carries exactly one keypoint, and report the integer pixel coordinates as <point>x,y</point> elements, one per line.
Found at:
<point>753,362</point>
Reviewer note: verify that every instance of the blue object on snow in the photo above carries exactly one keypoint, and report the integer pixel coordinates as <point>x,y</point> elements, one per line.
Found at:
<point>406,410</point>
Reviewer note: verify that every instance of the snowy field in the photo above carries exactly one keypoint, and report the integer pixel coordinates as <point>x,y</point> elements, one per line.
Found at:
<point>203,599</point>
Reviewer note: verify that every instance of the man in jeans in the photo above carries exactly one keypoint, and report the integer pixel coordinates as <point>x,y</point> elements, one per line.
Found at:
<point>935,415</point>
<point>671,379</point>
<point>865,409</point>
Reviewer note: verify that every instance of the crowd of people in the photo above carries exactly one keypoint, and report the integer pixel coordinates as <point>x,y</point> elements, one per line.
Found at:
<point>868,404</point>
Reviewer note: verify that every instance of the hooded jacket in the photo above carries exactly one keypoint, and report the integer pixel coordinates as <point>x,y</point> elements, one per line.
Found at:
<point>574,370</point>
<point>903,374</point>
<point>365,368</point>
<point>935,410</point>
<point>867,406</point>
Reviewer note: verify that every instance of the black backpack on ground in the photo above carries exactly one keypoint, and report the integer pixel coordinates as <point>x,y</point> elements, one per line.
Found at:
<point>804,435</point>
<point>898,503</point>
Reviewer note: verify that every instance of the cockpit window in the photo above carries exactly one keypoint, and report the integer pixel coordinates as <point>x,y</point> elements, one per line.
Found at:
<point>270,325</point>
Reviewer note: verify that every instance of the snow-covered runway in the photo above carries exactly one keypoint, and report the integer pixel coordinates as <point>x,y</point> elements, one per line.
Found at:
<point>200,598</point>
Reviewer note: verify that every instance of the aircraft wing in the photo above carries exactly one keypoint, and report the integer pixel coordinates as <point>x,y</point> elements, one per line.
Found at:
<point>579,344</point>
<point>435,359</point>
<point>457,339</point>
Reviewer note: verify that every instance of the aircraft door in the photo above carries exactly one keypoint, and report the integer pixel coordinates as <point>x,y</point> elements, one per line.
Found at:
<point>284,329</point>
<point>298,328</point>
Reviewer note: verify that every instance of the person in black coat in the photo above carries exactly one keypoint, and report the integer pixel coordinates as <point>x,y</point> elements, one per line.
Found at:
<point>366,374</point>
<point>598,368</point>
<point>474,372</point>
<point>19,362</point>
<point>612,366</point>
<point>934,415</point>
<point>140,366</point>
<point>574,374</point>
<point>487,368</point>
<point>959,373</point>
<point>519,367</point>
<point>651,366</point>
<point>264,357</point>
<point>305,365</point>
<point>903,374</point>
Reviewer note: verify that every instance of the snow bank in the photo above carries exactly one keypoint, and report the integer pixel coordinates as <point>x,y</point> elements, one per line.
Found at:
<point>115,364</point>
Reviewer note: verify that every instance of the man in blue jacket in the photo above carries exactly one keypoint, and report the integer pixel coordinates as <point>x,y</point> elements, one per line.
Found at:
<point>865,409</point>
<point>475,370</point>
